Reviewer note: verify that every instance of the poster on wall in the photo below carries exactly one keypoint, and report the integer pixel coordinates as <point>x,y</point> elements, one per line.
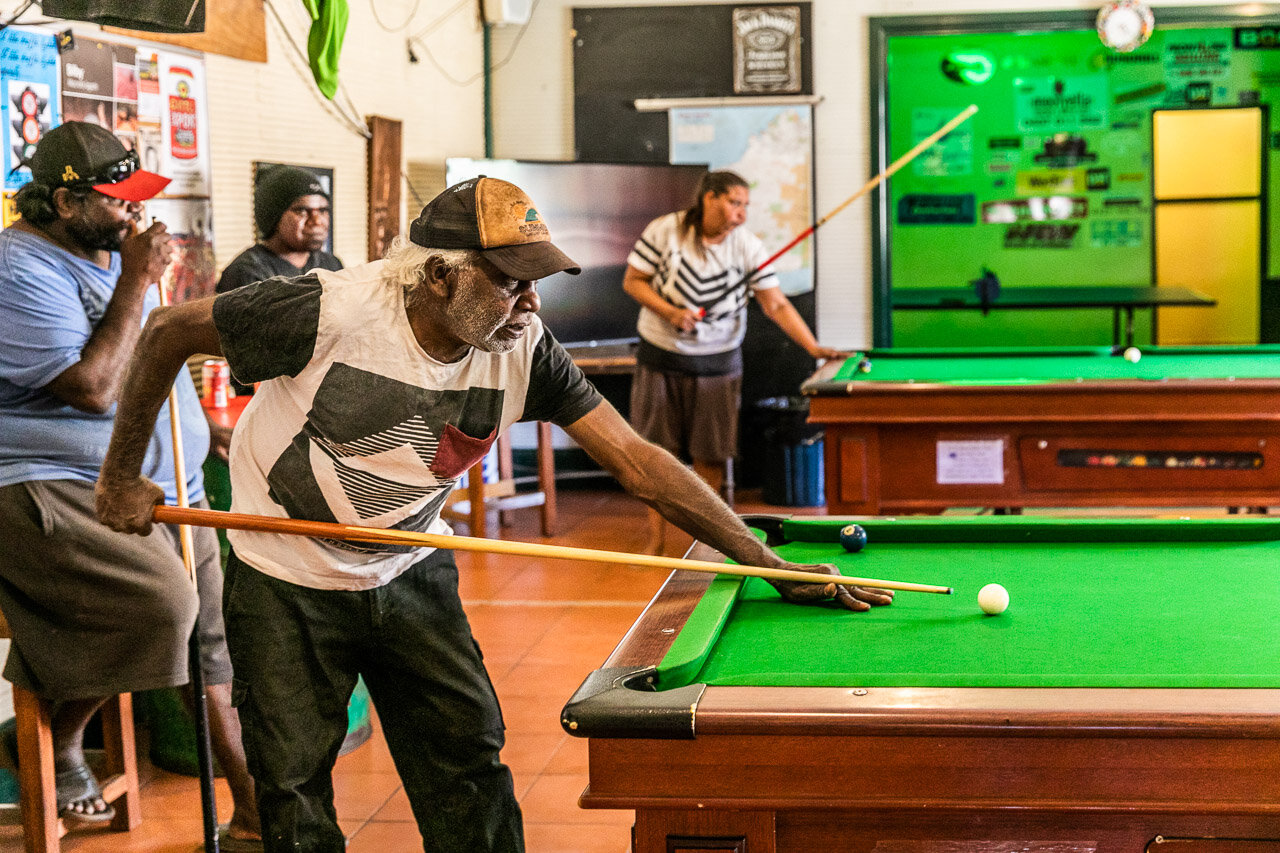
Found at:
<point>190,221</point>
<point>99,86</point>
<point>184,124</point>
<point>152,100</point>
<point>772,148</point>
<point>150,107</point>
<point>29,87</point>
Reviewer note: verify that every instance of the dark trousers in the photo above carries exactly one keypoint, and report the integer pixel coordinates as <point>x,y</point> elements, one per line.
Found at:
<point>297,652</point>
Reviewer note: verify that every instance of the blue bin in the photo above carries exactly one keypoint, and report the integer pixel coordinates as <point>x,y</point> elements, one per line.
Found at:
<point>793,473</point>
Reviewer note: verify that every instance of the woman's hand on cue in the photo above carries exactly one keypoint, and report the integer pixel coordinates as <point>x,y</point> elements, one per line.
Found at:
<point>684,319</point>
<point>849,597</point>
<point>126,506</point>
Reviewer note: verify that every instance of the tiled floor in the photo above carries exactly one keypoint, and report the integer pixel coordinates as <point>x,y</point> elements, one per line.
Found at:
<point>543,626</point>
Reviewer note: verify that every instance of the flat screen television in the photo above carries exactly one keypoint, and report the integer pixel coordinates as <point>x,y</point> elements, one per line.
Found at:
<point>596,212</point>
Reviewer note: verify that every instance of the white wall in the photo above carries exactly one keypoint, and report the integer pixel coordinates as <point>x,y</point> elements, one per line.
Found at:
<point>272,111</point>
<point>533,98</point>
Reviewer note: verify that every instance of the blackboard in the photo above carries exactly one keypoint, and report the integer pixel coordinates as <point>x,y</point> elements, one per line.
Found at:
<point>624,53</point>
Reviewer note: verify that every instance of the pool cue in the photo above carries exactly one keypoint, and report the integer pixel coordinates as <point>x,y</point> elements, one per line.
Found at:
<point>382,536</point>
<point>872,184</point>
<point>199,700</point>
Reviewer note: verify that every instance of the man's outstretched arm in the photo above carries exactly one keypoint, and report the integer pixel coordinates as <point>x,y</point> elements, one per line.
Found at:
<point>173,334</point>
<point>659,479</point>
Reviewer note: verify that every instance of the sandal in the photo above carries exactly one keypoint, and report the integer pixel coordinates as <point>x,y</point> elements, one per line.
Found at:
<point>77,785</point>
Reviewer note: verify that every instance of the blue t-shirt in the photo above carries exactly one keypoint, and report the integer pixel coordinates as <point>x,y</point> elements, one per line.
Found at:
<point>50,303</point>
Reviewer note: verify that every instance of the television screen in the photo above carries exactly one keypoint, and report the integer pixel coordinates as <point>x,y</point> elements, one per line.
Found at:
<point>596,212</point>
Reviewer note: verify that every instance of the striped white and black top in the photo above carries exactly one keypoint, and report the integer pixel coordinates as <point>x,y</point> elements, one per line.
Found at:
<point>713,279</point>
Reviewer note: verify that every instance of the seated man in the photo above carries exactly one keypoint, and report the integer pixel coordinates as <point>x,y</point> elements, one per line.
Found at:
<point>291,211</point>
<point>95,613</point>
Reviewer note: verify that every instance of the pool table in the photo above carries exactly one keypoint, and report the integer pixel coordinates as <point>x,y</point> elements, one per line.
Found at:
<point>921,430</point>
<point>1128,699</point>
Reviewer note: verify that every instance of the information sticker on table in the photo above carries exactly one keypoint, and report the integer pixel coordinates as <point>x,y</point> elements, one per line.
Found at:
<point>971,461</point>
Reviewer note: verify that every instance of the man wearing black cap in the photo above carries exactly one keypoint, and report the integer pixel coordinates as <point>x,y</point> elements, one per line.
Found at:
<point>94,613</point>
<point>291,211</point>
<point>381,385</point>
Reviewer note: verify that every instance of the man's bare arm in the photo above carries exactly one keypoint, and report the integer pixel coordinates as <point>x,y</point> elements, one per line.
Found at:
<point>93,383</point>
<point>657,478</point>
<point>173,334</point>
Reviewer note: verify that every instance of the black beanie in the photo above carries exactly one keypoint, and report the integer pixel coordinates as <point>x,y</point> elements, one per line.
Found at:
<point>279,188</point>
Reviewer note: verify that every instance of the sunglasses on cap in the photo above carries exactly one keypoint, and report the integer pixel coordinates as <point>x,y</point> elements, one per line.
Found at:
<point>116,172</point>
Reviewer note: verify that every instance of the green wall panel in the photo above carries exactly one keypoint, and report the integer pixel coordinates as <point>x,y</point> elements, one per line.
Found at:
<point>1050,182</point>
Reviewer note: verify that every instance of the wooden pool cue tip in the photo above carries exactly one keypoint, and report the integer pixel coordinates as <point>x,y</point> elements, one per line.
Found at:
<point>328,530</point>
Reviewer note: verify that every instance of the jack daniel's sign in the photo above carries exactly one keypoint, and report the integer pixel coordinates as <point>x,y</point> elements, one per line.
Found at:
<point>766,49</point>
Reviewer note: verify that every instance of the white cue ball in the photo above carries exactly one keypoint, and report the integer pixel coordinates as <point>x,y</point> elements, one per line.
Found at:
<point>1133,354</point>
<point>993,599</point>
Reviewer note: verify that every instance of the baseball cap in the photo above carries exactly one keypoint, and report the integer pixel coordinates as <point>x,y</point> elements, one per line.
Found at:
<point>497,218</point>
<point>277,189</point>
<point>77,153</point>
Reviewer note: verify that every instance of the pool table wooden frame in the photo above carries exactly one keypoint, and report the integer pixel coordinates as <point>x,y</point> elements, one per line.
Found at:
<point>881,440</point>
<point>901,770</point>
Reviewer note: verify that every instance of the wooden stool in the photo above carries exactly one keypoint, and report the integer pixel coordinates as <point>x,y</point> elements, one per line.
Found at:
<point>42,830</point>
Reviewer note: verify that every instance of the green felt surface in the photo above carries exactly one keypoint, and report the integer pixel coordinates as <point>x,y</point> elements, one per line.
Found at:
<point>1029,366</point>
<point>1094,603</point>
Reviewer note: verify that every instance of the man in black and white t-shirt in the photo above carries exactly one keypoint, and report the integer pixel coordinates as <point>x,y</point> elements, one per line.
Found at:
<point>380,385</point>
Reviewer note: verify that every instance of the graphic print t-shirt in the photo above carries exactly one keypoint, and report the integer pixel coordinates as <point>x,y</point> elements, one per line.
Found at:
<point>713,279</point>
<point>354,423</point>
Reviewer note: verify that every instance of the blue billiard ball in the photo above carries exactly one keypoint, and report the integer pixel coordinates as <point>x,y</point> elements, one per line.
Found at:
<point>853,537</point>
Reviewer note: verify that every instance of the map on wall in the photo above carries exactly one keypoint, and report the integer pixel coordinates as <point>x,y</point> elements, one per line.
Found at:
<point>772,148</point>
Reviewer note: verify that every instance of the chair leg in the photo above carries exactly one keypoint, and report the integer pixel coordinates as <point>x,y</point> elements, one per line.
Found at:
<point>506,473</point>
<point>475,497</point>
<point>547,478</point>
<point>120,785</point>
<point>41,828</point>
<point>37,789</point>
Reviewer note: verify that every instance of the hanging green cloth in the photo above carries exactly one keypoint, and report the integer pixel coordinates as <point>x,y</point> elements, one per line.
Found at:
<point>324,44</point>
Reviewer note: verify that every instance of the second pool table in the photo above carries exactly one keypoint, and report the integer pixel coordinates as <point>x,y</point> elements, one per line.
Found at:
<point>1131,692</point>
<point>920,430</point>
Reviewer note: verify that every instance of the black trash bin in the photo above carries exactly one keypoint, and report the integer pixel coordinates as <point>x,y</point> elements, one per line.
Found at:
<point>792,453</point>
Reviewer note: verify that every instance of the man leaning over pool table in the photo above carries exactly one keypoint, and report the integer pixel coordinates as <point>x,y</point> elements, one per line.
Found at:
<point>403,372</point>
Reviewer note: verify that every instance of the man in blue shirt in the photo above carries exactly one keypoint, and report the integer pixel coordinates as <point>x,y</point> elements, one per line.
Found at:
<point>94,613</point>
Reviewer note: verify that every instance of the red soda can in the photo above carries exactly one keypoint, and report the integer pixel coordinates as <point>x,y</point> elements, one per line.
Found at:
<point>215,379</point>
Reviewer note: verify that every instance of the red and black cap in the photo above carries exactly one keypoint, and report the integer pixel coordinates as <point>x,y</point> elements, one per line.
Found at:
<point>499,220</point>
<point>77,153</point>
